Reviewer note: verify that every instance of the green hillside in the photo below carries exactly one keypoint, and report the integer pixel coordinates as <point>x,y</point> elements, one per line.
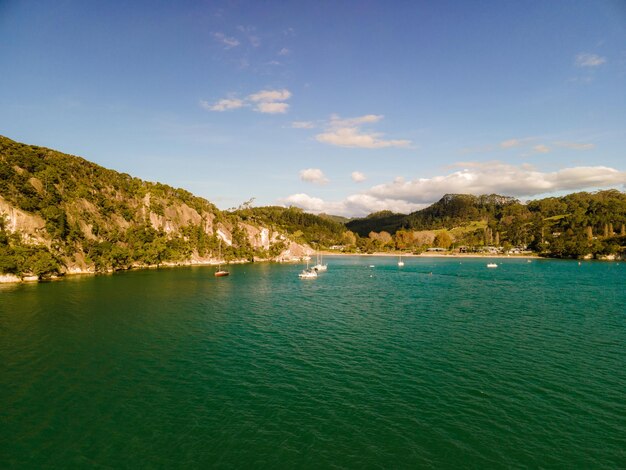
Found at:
<point>575,225</point>
<point>60,211</point>
<point>317,230</point>
<point>450,211</point>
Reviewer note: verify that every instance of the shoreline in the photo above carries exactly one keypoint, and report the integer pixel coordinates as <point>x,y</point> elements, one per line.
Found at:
<point>13,279</point>
<point>439,255</point>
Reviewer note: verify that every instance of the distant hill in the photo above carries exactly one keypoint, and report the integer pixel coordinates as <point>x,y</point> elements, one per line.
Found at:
<point>575,225</point>
<point>450,211</point>
<point>320,231</point>
<point>335,218</point>
<point>376,222</point>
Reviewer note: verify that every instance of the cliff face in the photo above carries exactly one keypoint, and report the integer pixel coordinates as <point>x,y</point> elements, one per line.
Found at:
<point>88,218</point>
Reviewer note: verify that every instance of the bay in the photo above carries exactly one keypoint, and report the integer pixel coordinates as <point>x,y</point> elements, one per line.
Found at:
<point>440,363</point>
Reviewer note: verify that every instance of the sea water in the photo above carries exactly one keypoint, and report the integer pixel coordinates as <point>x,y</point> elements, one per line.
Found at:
<point>440,363</point>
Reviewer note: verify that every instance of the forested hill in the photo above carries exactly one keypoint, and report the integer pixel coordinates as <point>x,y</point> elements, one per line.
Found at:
<point>60,212</point>
<point>317,230</point>
<point>575,225</point>
<point>450,211</point>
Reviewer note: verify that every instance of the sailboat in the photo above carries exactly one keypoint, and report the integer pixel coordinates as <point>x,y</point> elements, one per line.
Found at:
<point>319,266</point>
<point>308,273</point>
<point>220,272</point>
<point>400,262</point>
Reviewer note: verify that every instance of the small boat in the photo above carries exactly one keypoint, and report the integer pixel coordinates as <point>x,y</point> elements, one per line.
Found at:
<point>220,272</point>
<point>320,266</point>
<point>492,265</point>
<point>308,273</point>
<point>400,262</point>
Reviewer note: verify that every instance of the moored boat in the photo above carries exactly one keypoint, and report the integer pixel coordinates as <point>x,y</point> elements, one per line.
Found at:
<point>308,273</point>
<point>320,266</point>
<point>220,272</point>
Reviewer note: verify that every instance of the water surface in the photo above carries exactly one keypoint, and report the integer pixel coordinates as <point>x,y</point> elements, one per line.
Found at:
<point>441,363</point>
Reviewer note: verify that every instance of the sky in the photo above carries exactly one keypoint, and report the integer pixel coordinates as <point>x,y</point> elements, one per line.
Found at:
<point>343,107</point>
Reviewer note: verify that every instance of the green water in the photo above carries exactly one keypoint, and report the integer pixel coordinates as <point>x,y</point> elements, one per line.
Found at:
<point>441,363</point>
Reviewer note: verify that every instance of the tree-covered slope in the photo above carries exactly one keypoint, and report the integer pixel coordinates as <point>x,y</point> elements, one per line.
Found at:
<point>574,225</point>
<point>318,230</point>
<point>80,215</point>
<point>450,211</point>
<point>377,221</point>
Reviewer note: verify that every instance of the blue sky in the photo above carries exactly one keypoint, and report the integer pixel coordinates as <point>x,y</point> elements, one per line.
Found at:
<point>341,107</point>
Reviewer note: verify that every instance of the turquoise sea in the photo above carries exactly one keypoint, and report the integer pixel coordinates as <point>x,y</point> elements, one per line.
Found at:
<point>443,363</point>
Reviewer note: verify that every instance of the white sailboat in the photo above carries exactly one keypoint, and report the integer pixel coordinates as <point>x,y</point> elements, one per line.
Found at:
<point>308,273</point>
<point>320,266</point>
<point>220,272</point>
<point>400,262</point>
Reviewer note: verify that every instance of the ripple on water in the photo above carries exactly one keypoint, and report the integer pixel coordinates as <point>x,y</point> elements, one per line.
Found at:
<point>439,364</point>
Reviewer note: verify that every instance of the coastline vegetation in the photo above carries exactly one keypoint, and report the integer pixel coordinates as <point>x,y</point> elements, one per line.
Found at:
<point>83,214</point>
<point>79,213</point>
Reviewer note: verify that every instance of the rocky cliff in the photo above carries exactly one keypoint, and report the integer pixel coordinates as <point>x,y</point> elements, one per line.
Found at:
<point>62,213</point>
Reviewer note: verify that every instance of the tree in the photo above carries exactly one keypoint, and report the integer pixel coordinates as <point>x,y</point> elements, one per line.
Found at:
<point>443,240</point>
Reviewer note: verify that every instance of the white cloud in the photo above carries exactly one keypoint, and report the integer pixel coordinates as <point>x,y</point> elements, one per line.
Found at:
<point>272,108</point>
<point>353,137</point>
<point>227,42</point>
<point>348,133</point>
<point>356,204</point>
<point>336,121</point>
<point>358,177</point>
<point>271,101</point>
<point>267,96</point>
<point>302,125</point>
<point>265,101</point>
<point>222,105</point>
<point>284,51</point>
<point>585,59</point>
<point>501,178</point>
<point>313,175</point>
<point>476,178</point>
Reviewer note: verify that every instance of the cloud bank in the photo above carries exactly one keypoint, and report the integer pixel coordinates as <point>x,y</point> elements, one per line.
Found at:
<point>475,178</point>
<point>349,133</point>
